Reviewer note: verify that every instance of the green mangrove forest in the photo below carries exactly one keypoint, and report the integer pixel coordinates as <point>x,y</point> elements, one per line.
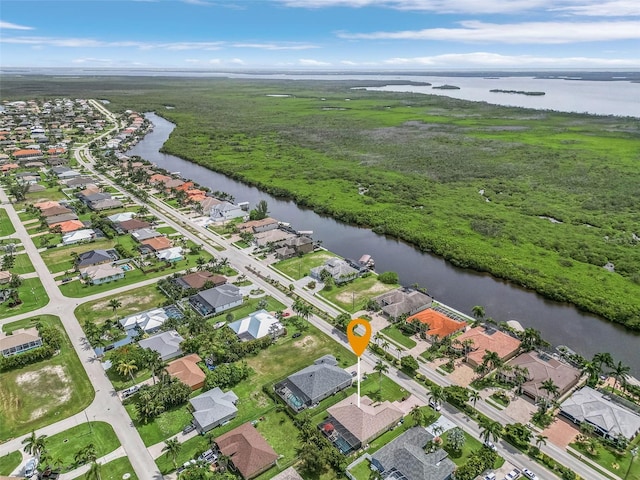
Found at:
<point>539,198</point>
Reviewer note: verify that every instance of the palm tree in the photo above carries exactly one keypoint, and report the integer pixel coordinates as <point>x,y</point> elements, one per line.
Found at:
<point>115,304</point>
<point>491,360</point>
<point>172,447</point>
<point>620,373</point>
<point>603,359</point>
<point>418,415</point>
<point>491,430</point>
<point>474,396</point>
<point>531,338</point>
<point>385,345</point>
<point>478,312</point>
<point>541,440</point>
<point>381,368</point>
<point>86,454</point>
<point>127,368</point>
<point>551,388</point>
<point>155,364</point>
<point>34,445</point>
<point>437,394</point>
<point>467,346</point>
<point>94,472</point>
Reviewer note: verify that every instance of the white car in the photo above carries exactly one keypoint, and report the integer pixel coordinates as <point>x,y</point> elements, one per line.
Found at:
<point>490,476</point>
<point>30,467</point>
<point>490,445</point>
<point>512,475</point>
<point>435,405</point>
<point>529,474</point>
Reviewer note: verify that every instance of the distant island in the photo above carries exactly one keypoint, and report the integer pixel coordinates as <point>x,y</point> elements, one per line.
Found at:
<point>519,92</point>
<point>447,87</point>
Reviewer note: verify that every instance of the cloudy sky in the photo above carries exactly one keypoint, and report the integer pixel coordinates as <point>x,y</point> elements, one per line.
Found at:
<point>321,34</point>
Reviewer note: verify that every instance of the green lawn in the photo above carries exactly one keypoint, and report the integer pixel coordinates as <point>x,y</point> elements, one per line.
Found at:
<point>616,464</point>
<point>470,445</point>
<point>6,227</point>
<point>115,469</point>
<point>190,450</point>
<point>280,432</point>
<point>362,471</point>
<point>162,427</point>
<point>33,296</point>
<point>354,295</point>
<point>9,462</point>
<point>22,265</point>
<point>398,336</point>
<point>59,259</point>
<point>45,392</point>
<point>166,230</point>
<point>119,382</point>
<point>299,267</point>
<point>386,437</point>
<point>135,300</point>
<point>65,445</point>
<point>250,306</point>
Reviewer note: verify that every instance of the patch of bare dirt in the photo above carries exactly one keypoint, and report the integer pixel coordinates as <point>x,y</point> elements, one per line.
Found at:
<point>53,386</point>
<point>306,342</point>
<point>125,301</point>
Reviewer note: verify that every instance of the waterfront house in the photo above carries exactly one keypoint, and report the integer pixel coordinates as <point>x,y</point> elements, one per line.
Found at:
<point>438,324</point>
<point>402,301</point>
<point>483,340</point>
<point>226,211</point>
<point>213,408</point>
<point>339,269</point>
<point>258,226</point>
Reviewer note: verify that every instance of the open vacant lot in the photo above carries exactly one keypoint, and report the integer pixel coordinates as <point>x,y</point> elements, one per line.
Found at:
<point>65,445</point>
<point>44,392</point>
<point>299,267</point>
<point>354,295</point>
<point>32,295</point>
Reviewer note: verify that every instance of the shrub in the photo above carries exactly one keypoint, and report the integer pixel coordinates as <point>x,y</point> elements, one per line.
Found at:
<point>390,278</point>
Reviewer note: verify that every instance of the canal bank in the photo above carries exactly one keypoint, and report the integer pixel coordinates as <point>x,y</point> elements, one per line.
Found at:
<point>561,324</point>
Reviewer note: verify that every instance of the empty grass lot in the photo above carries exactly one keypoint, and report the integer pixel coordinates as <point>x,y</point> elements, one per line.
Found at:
<point>44,392</point>
<point>354,295</point>
<point>9,462</point>
<point>22,265</point>
<point>65,445</point>
<point>395,334</point>
<point>6,227</point>
<point>299,267</point>
<point>115,469</point>
<point>280,432</point>
<point>33,296</point>
<point>133,301</point>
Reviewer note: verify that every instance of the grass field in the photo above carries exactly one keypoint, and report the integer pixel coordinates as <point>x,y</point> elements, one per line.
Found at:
<point>135,300</point>
<point>362,471</point>
<point>354,295</point>
<point>616,464</point>
<point>115,469</point>
<point>33,296</point>
<point>190,449</point>
<point>59,259</point>
<point>45,392</point>
<point>22,265</point>
<point>65,445</point>
<point>6,227</point>
<point>9,462</point>
<point>162,427</point>
<point>395,334</point>
<point>299,267</point>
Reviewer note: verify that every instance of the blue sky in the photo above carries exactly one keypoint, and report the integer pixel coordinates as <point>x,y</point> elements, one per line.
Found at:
<point>321,34</point>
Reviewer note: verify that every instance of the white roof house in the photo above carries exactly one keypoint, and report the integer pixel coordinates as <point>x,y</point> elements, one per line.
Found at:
<point>257,325</point>
<point>99,273</point>
<point>78,236</point>
<point>172,254</point>
<point>121,217</point>
<point>146,321</point>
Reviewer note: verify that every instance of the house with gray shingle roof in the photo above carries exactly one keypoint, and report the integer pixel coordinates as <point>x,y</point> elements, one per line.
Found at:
<point>402,301</point>
<point>313,384</point>
<point>96,257</point>
<point>216,300</point>
<point>339,269</point>
<point>609,419</point>
<point>167,344</point>
<point>213,408</point>
<point>404,458</point>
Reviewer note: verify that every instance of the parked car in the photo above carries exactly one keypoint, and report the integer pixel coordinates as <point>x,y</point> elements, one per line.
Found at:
<point>189,428</point>
<point>127,392</point>
<point>30,467</point>
<point>435,405</point>
<point>354,373</point>
<point>490,476</point>
<point>512,475</point>
<point>529,474</point>
<point>296,335</point>
<point>489,444</point>
<point>286,314</point>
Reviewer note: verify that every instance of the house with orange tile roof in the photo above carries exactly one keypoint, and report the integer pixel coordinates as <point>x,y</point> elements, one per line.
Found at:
<point>56,151</point>
<point>186,370</point>
<point>47,204</point>
<point>68,226</point>
<point>158,178</point>
<point>487,339</point>
<point>27,153</point>
<point>9,166</point>
<point>438,324</point>
<point>157,244</point>
<point>185,187</point>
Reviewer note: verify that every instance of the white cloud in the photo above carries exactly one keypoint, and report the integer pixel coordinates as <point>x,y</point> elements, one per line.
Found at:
<point>13,26</point>
<point>614,8</point>
<point>237,61</point>
<point>274,46</point>
<point>487,59</point>
<point>308,62</point>
<point>92,60</point>
<point>92,43</point>
<point>530,32</point>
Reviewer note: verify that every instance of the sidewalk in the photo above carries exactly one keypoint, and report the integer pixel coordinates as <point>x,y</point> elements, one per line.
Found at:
<point>117,453</point>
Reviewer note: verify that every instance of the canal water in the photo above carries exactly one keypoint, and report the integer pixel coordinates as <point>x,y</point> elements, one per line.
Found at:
<point>560,324</point>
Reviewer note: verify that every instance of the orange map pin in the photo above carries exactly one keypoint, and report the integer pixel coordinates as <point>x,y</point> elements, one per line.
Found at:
<point>358,343</point>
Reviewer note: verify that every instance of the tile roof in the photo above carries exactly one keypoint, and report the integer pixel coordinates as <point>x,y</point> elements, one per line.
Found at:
<point>489,339</point>
<point>198,279</point>
<point>187,371</point>
<point>94,257</point>
<point>69,225</point>
<point>288,474</point>
<point>257,325</point>
<point>55,210</point>
<point>249,451</point>
<point>439,324</point>
<point>157,243</point>
<point>133,224</point>
<point>98,272</point>
<point>544,367</point>
<point>403,301</point>
<point>220,296</point>
<point>19,337</point>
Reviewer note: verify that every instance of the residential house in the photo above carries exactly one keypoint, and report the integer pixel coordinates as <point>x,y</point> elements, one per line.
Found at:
<point>63,217</point>
<point>197,280</point>
<point>7,167</point>
<point>19,341</point>
<point>90,195</point>
<point>133,224</point>
<point>148,321</point>
<point>84,235</point>
<point>274,237</point>
<point>313,384</point>
<point>158,178</point>
<point>438,324</point>
<point>350,427</point>
<point>47,204</point>
<point>485,339</point>
<point>67,174</point>
<point>121,217</point>
<point>340,271</point>
<point>145,234</point>
<point>105,204</point>
<point>55,211</point>
<point>257,325</point>
<point>608,419</point>
<point>248,451</point>
<point>259,226</point>
<point>172,183</point>
<point>288,474</point>
<point>167,344</point>
<point>538,367</point>
<point>98,274</point>
<point>173,254</point>
<point>402,301</point>
<point>216,300</point>
<point>207,203</point>
<point>226,211</point>
<point>5,277</point>
<point>27,154</point>
<point>68,226</point>
<point>213,408</point>
<point>96,257</point>
<point>186,370</point>
<point>405,458</point>
<point>83,181</point>
<point>295,246</point>
<point>36,188</point>
<point>155,244</point>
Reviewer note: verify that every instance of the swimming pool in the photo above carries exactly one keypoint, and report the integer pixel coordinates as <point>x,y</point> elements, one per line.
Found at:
<point>126,267</point>
<point>294,401</point>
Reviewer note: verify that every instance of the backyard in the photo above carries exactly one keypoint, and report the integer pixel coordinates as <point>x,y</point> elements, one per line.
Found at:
<point>44,392</point>
<point>59,259</point>
<point>250,306</point>
<point>299,267</point>
<point>354,295</point>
